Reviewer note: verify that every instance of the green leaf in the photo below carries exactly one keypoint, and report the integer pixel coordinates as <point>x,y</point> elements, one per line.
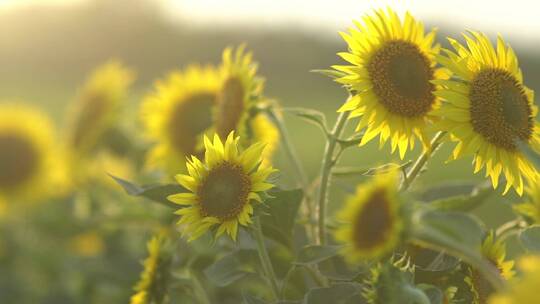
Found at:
<point>335,268</point>
<point>434,261</point>
<point>329,73</point>
<point>335,294</point>
<point>530,239</point>
<point>157,193</point>
<point>313,254</point>
<point>278,220</point>
<point>435,295</point>
<point>472,200</point>
<point>313,116</point>
<point>459,235</point>
<point>232,267</point>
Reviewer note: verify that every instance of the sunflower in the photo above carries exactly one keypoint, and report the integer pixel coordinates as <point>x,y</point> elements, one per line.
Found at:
<point>261,129</point>
<point>531,208</point>
<point>373,223</point>
<point>177,115</point>
<point>488,109</point>
<point>525,289</point>
<point>494,251</point>
<point>390,76</point>
<point>28,163</point>
<point>222,189</point>
<point>239,92</point>
<point>97,105</point>
<point>153,284</point>
<point>387,281</point>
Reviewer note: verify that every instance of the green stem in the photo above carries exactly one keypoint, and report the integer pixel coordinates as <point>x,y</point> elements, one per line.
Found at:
<point>265,258</point>
<point>326,168</point>
<point>287,144</point>
<point>297,166</point>
<point>509,228</point>
<point>412,174</point>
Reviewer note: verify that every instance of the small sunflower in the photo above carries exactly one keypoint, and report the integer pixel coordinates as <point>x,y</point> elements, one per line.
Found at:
<point>28,163</point>
<point>390,76</point>
<point>177,115</point>
<point>531,208</point>
<point>153,284</point>
<point>240,90</point>
<point>373,223</point>
<point>525,289</point>
<point>223,187</point>
<point>97,105</point>
<point>488,109</point>
<point>495,252</point>
<point>386,281</point>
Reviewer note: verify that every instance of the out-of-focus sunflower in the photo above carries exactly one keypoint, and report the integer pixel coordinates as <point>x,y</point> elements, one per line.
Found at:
<point>177,115</point>
<point>391,78</point>
<point>239,92</point>
<point>488,109</point>
<point>373,222</point>
<point>495,252</point>
<point>153,283</point>
<point>97,106</point>
<point>262,130</point>
<point>222,189</point>
<point>530,209</point>
<point>387,281</point>
<point>525,289</point>
<point>88,244</point>
<point>29,166</point>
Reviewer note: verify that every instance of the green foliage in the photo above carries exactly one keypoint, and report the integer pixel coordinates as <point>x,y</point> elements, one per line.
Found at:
<point>530,239</point>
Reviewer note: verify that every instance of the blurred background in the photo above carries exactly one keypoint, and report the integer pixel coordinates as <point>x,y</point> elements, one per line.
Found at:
<point>61,252</point>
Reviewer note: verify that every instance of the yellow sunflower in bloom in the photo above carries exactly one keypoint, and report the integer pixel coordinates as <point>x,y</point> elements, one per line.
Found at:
<point>495,252</point>
<point>391,78</point>
<point>531,208</point>
<point>222,189</point>
<point>29,167</point>
<point>177,115</point>
<point>488,109</point>
<point>152,286</point>
<point>373,223</point>
<point>525,289</point>
<point>240,90</point>
<point>96,109</point>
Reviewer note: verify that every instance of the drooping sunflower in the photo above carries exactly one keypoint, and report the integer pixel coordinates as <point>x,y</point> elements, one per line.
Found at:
<point>96,108</point>
<point>29,166</point>
<point>177,115</point>
<point>222,188</point>
<point>372,219</point>
<point>524,289</point>
<point>393,66</point>
<point>153,284</point>
<point>494,251</point>
<point>488,109</point>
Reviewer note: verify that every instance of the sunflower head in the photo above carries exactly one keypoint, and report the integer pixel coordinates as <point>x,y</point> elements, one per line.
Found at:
<point>222,187</point>
<point>240,90</point>
<point>391,73</point>
<point>153,283</point>
<point>488,110</point>
<point>29,166</point>
<point>97,105</point>
<point>494,251</point>
<point>178,113</point>
<point>525,288</point>
<point>372,219</point>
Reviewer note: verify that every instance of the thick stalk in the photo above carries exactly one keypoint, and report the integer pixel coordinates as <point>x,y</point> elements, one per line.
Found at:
<point>412,174</point>
<point>326,168</point>
<point>265,258</point>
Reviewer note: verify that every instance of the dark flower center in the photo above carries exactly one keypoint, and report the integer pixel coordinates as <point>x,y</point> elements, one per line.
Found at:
<point>224,192</point>
<point>401,76</point>
<point>500,109</point>
<point>18,161</point>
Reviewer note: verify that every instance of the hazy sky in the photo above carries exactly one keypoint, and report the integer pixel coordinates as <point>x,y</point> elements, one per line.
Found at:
<point>517,20</point>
